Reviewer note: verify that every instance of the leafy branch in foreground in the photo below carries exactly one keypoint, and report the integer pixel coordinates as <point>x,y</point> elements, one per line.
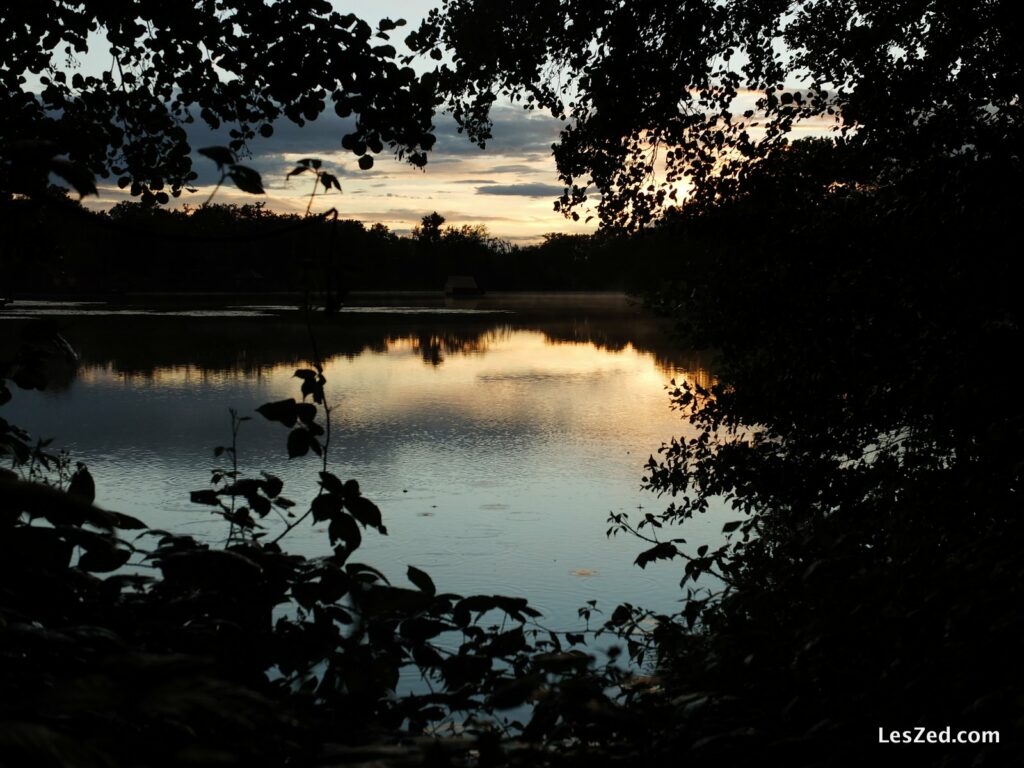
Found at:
<point>329,180</point>
<point>116,639</point>
<point>245,178</point>
<point>192,66</point>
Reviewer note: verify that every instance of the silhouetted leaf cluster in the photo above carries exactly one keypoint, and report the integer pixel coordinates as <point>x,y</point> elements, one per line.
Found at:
<point>243,65</point>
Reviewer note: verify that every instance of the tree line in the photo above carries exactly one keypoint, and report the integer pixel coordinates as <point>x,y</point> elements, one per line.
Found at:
<point>137,247</point>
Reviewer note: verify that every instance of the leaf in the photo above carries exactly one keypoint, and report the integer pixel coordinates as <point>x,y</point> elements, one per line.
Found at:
<point>259,504</point>
<point>126,522</point>
<point>296,171</point>
<point>330,180</point>
<point>246,179</point>
<point>507,643</point>
<point>422,581</point>
<point>465,670</point>
<point>515,693</point>
<point>284,411</point>
<point>338,613</point>
<point>272,485</point>
<point>205,496</point>
<point>82,486</point>
<point>344,528</point>
<point>422,629</point>
<point>314,387</point>
<point>76,175</point>
<point>621,615</point>
<point>664,551</point>
<point>222,156</point>
<point>364,510</point>
<point>426,657</point>
<point>245,487</point>
<point>99,558</point>
<point>731,526</point>
<point>325,507</point>
<point>205,569</point>
<point>356,569</point>
<point>331,483</point>
<point>299,443</point>
<point>306,412</point>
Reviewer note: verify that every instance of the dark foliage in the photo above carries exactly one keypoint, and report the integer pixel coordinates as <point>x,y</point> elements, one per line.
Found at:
<point>656,93</point>
<point>243,64</point>
<point>862,295</point>
<point>121,645</point>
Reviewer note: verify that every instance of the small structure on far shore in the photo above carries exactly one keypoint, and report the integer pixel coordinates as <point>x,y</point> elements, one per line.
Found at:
<point>461,285</point>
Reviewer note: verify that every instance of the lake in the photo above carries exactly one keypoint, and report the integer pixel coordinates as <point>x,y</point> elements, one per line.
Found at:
<point>495,435</point>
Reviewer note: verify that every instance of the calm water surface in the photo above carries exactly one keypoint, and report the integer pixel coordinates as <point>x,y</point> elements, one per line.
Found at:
<point>496,437</point>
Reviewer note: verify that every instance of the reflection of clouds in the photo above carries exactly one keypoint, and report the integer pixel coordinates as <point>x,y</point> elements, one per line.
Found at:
<point>432,334</point>
<point>528,466</point>
<point>515,389</point>
<point>529,377</point>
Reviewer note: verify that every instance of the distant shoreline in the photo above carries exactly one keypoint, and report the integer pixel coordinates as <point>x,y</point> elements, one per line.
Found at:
<point>353,298</point>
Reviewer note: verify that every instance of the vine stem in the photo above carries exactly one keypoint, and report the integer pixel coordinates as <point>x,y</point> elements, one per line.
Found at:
<point>625,524</point>
<point>316,181</point>
<point>318,364</point>
<point>220,181</point>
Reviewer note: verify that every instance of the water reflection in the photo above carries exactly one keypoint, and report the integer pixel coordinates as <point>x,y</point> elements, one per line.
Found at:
<point>248,337</point>
<point>495,443</point>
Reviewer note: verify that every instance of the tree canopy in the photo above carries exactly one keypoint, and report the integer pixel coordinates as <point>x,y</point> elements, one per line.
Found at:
<point>655,94</point>
<point>860,291</point>
<point>241,64</point>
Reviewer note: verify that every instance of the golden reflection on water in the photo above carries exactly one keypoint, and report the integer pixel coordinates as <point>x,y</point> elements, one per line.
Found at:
<point>512,378</point>
<point>501,354</point>
<point>178,376</point>
<point>496,453</point>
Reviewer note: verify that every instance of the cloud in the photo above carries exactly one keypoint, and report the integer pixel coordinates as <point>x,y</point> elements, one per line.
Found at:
<point>522,190</point>
<point>513,169</point>
<point>515,132</point>
<point>518,135</point>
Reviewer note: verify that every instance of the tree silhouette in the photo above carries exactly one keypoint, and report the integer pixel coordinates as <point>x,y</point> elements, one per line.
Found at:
<point>429,229</point>
<point>658,95</point>
<point>862,437</point>
<point>238,63</point>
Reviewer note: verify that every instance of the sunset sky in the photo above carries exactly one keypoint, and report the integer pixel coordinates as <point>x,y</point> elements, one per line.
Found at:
<point>510,187</point>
